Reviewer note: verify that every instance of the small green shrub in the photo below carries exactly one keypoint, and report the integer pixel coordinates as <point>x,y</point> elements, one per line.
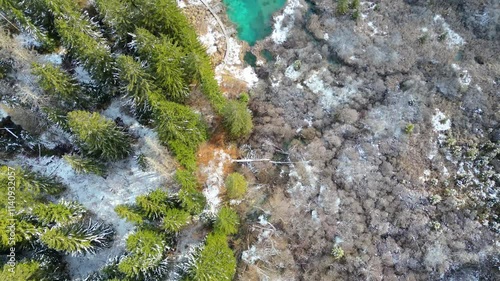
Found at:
<point>236,186</point>
<point>409,128</point>
<point>342,7</point>
<point>337,252</point>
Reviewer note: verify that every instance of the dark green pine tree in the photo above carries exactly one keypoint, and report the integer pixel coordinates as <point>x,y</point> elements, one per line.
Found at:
<point>78,238</point>
<point>25,231</point>
<point>62,213</point>
<point>55,82</point>
<point>98,136</point>
<point>23,271</point>
<point>179,128</point>
<point>237,119</point>
<point>166,64</point>
<point>85,165</point>
<point>116,16</point>
<point>29,186</point>
<point>155,204</point>
<point>227,221</point>
<point>130,213</point>
<point>190,198</point>
<point>136,82</point>
<point>213,262</point>
<point>175,219</point>
<point>87,44</point>
<point>146,256</point>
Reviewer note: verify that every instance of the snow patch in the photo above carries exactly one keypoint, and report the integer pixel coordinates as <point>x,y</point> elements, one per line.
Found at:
<point>215,180</point>
<point>464,78</point>
<point>3,114</point>
<point>181,4</point>
<point>280,31</point>
<point>100,195</point>
<point>291,73</point>
<point>440,122</point>
<point>452,38</point>
<point>82,75</point>
<point>246,74</point>
<point>330,97</point>
<point>52,58</point>
<point>53,137</point>
<point>233,52</point>
<point>27,40</point>
<point>211,38</point>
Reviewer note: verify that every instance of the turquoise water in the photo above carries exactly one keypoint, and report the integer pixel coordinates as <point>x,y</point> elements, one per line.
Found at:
<point>252,17</point>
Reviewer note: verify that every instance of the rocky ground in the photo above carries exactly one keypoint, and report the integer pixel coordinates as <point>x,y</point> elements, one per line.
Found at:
<point>392,124</point>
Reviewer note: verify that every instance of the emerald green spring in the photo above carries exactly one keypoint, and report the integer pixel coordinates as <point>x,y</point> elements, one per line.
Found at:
<point>252,17</point>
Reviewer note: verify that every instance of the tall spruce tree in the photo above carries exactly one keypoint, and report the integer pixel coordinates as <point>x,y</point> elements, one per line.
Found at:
<point>54,81</point>
<point>190,198</point>
<point>237,119</point>
<point>146,259</point>
<point>155,204</point>
<point>98,136</point>
<point>135,81</point>
<point>85,165</point>
<point>227,221</point>
<point>213,262</point>
<point>166,64</point>
<point>78,238</point>
<point>62,213</point>
<point>175,219</point>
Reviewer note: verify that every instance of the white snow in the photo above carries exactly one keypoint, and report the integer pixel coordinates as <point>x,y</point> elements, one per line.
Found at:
<point>100,195</point>
<point>233,52</point>
<point>232,64</point>
<point>263,248</point>
<point>246,74</point>
<point>280,31</point>
<point>3,114</point>
<point>27,40</point>
<point>82,75</point>
<point>291,73</point>
<point>452,38</point>
<point>326,36</point>
<point>330,97</point>
<point>215,179</point>
<point>54,136</point>
<point>52,58</point>
<point>211,39</point>
<point>181,4</point>
<point>440,122</point>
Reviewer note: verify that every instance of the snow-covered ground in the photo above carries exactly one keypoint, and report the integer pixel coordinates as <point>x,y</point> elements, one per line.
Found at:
<point>100,195</point>
<point>281,29</point>
<point>215,179</point>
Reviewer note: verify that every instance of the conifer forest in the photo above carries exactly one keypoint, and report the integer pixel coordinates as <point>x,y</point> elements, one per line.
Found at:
<point>279,140</point>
